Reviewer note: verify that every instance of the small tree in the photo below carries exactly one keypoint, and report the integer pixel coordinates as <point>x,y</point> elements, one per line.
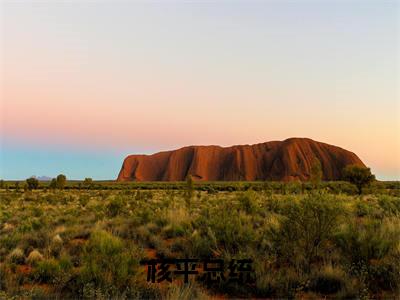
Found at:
<point>2,185</point>
<point>61,181</point>
<point>359,176</point>
<point>316,172</point>
<point>32,183</point>
<point>53,184</point>
<point>88,182</point>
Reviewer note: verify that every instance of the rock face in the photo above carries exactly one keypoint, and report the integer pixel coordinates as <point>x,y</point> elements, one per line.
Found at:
<point>278,160</point>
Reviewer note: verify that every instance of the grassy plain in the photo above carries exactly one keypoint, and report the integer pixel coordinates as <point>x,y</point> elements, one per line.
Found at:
<point>305,242</point>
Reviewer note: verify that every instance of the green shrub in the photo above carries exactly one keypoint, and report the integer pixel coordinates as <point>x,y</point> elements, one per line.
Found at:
<point>32,183</point>
<point>46,271</point>
<point>107,263</point>
<point>115,207</point>
<point>17,256</point>
<point>173,230</point>
<point>247,201</point>
<point>363,242</point>
<point>306,229</point>
<point>359,176</point>
<point>390,205</point>
<point>84,200</point>
<point>184,292</point>
<point>61,181</point>
<point>56,245</point>
<point>34,257</point>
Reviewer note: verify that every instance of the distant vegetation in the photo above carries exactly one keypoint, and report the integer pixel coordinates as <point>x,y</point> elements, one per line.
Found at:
<point>85,239</point>
<point>359,176</point>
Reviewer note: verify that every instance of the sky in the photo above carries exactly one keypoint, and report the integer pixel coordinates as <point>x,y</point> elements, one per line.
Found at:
<point>85,83</point>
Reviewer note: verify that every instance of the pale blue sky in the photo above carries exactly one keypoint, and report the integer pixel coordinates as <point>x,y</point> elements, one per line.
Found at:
<point>88,82</point>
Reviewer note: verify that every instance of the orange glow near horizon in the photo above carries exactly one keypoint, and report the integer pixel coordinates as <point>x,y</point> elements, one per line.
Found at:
<point>157,79</point>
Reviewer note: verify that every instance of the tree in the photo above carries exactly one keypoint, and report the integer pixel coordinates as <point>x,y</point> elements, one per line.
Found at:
<point>316,172</point>
<point>32,183</point>
<point>53,184</point>
<point>359,176</point>
<point>61,181</point>
<point>88,182</point>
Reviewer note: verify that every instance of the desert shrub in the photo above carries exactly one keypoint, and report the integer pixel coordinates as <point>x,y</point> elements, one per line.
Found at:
<point>306,229</point>
<point>222,227</point>
<point>173,230</point>
<point>106,262</point>
<point>88,182</point>
<point>247,201</point>
<point>30,197</point>
<point>148,195</point>
<point>266,284</point>
<point>160,222</point>
<point>361,243</point>
<point>60,181</point>
<point>75,250</point>
<point>36,239</point>
<point>56,245</point>
<point>201,244</point>
<point>368,250</point>
<point>29,225</point>
<point>17,256</point>
<point>390,205</point>
<point>184,292</point>
<point>32,183</point>
<point>178,246</point>
<point>115,207</point>
<point>9,241</point>
<point>211,190</point>
<point>46,271</point>
<point>34,258</point>
<point>84,200</point>
<point>384,276</point>
<point>154,242</point>
<point>328,281</point>
<point>370,208</point>
<point>359,176</point>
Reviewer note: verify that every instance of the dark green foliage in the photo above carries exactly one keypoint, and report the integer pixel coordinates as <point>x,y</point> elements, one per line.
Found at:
<point>247,201</point>
<point>32,183</point>
<point>53,184</point>
<point>359,176</point>
<point>306,229</point>
<point>115,207</point>
<point>88,182</point>
<point>361,243</point>
<point>61,180</point>
<point>305,244</point>
<point>46,271</point>
<point>107,264</point>
<point>390,205</point>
